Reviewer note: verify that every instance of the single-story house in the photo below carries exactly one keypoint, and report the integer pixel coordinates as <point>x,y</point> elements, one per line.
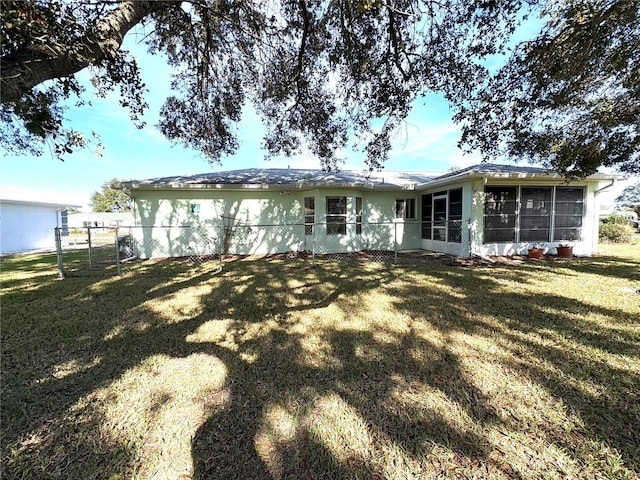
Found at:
<point>486,209</point>
<point>27,225</point>
<point>80,220</point>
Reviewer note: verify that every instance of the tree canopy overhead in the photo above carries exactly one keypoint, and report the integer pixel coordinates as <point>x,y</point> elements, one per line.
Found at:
<point>569,98</point>
<point>319,73</point>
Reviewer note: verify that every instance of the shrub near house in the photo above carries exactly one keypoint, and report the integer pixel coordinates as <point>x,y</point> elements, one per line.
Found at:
<point>616,229</point>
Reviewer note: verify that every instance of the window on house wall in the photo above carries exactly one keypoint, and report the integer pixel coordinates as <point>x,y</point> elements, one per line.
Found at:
<point>194,208</point>
<point>427,216</point>
<point>569,209</point>
<point>406,208</point>
<point>500,214</point>
<point>455,216</point>
<point>336,215</point>
<point>309,215</point>
<point>535,214</point>
<point>64,222</point>
<point>358,215</point>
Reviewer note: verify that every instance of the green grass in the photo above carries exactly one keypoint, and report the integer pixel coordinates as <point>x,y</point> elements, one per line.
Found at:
<point>276,370</point>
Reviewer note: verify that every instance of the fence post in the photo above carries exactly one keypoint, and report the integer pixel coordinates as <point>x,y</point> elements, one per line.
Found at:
<point>220,245</point>
<point>313,243</point>
<point>395,243</point>
<point>221,229</point>
<point>118,266</point>
<point>89,245</point>
<point>58,238</point>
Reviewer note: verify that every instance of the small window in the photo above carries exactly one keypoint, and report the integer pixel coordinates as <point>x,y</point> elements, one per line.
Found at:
<point>64,222</point>
<point>336,215</point>
<point>358,215</point>
<point>195,208</point>
<point>406,208</point>
<point>309,215</point>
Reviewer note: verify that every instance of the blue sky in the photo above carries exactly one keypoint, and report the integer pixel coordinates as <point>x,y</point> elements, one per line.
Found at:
<point>428,143</point>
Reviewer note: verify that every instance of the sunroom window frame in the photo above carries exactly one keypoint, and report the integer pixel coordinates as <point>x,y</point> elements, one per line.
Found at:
<point>551,238</point>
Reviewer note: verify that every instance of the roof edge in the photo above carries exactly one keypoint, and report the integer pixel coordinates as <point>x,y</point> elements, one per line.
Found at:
<point>43,203</point>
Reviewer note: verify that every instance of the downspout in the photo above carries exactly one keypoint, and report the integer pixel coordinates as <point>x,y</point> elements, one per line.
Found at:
<point>605,187</point>
<point>129,193</point>
<point>594,242</point>
<point>58,239</point>
<point>133,204</point>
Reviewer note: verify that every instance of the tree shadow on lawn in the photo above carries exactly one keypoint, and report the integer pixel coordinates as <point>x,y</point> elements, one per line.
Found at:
<point>553,343</point>
<point>352,389</point>
<point>347,418</point>
<point>72,328</point>
<point>607,265</point>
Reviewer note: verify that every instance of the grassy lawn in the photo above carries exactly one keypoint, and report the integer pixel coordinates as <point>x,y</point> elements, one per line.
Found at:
<point>276,370</point>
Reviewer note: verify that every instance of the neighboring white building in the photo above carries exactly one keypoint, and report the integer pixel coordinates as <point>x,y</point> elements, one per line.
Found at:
<point>486,209</point>
<point>100,219</point>
<point>30,225</point>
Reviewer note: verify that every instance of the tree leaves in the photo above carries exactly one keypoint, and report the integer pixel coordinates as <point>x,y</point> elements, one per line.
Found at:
<point>110,200</point>
<point>318,73</point>
<point>324,74</point>
<point>570,98</point>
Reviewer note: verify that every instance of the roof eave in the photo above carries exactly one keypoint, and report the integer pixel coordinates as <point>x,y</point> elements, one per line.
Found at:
<point>473,174</point>
<point>542,175</point>
<point>60,206</point>
<point>131,186</point>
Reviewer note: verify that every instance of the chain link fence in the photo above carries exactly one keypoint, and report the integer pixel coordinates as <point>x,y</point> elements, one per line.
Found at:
<point>111,251</point>
<point>102,251</point>
<point>88,250</point>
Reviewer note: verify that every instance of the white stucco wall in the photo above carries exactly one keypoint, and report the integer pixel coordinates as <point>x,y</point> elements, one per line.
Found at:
<point>383,230</point>
<point>264,221</point>
<point>171,228</point>
<point>272,221</point>
<point>25,226</point>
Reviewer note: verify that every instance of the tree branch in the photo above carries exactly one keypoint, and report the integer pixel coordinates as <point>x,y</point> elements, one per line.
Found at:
<point>34,64</point>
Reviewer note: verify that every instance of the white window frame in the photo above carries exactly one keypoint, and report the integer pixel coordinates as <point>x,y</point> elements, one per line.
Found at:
<point>336,227</point>
<point>552,214</point>
<point>405,212</point>
<point>309,216</point>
